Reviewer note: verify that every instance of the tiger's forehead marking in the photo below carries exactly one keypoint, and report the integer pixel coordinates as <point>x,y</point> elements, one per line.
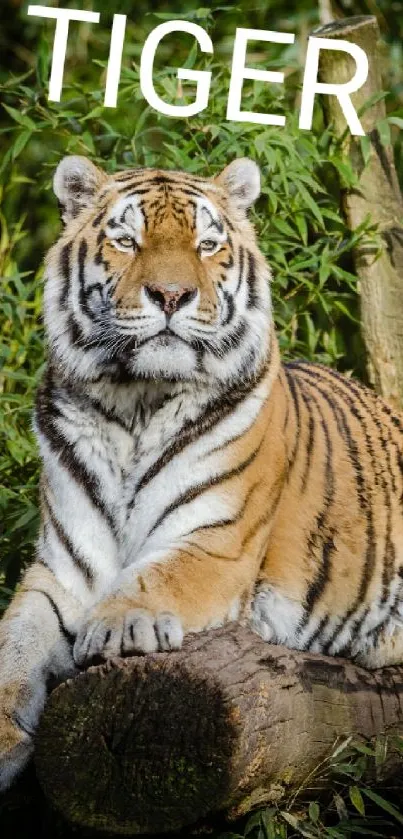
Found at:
<point>142,208</point>
<point>209,221</point>
<point>149,179</point>
<point>126,218</point>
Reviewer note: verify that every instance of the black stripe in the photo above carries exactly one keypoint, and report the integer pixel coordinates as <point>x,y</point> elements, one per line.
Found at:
<point>376,402</point>
<point>226,522</point>
<point>65,540</point>
<point>199,489</point>
<point>284,384</point>
<point>275,496</point>
<point>82,295</point>
<point>64,268</point>
<point>261,521</point>
<point>316,634</point>
<point>229,341</point>
<point>212,415</point>
<point>129,174</point>
<point>168,179</point>
<point>107,414</point>
<point>214,554</point>
<point>389,557</point>
<point>236,437</point>
<point>69,636</point>
<point>230,308</point>
<point>77,336</point>
<point>227,221</point>
<point>47,414</point>
<point>253,297</point>
<point>297,436</point>
<point>353,401</point>
<point>99,217</point>
<point>345,433</point>
<point>240,268</point>
<point>322,534</point>
<point>310,444</point>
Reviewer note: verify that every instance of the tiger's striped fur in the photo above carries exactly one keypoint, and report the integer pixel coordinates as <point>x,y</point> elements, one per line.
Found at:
<point>189,478</point>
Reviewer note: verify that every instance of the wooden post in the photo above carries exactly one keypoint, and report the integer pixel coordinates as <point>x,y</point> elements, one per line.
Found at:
<point>155,743</point>
<point>378,195</point>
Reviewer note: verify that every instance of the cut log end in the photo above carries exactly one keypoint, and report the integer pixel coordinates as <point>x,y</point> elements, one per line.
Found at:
<point>148,745</point>
<point>140,746</point>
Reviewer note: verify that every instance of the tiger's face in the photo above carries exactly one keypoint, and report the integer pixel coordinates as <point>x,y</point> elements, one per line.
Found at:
<point>157,275</point>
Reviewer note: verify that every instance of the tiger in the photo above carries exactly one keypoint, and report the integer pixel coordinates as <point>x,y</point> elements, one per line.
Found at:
<point>190,478</point>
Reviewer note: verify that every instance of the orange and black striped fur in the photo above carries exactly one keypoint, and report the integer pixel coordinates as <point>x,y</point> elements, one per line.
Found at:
<point>189,478</point>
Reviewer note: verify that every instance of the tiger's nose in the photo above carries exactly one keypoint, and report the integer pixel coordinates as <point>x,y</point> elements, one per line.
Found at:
<point>170,297</point>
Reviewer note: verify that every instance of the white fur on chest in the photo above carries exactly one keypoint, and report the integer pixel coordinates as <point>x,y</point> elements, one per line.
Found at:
<point>155,487</point>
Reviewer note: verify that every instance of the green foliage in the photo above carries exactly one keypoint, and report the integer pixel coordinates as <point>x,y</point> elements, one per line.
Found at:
<point>357,801</point>
<point>21,355</point>
<point>298,218</point>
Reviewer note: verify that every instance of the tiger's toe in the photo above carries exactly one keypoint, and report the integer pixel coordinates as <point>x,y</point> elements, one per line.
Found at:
<point>97,639</point>
<point>146,633</point>
<point>136,632</point>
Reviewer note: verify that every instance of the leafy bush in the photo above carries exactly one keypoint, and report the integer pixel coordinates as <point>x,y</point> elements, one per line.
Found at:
<point>301,228</point>
<point>356,801</point>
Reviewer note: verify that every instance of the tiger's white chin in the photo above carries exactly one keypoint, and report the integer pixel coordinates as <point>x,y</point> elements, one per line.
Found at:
<point>164,358</point>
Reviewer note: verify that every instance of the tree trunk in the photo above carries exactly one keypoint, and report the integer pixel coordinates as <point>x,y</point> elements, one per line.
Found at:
<point>151,744</point>
<point>378,195</point>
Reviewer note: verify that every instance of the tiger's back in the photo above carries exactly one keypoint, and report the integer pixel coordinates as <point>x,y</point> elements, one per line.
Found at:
<point>332,580</point>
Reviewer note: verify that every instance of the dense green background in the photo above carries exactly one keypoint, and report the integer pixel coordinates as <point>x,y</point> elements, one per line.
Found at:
<point>298,216</point>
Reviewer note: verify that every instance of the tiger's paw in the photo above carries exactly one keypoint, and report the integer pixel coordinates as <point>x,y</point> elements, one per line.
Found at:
<point>17,728</point>
<point>16,749</point>
<point>136,632</point>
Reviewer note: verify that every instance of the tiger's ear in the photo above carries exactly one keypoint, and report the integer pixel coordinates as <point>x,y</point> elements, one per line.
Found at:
<point>75,184</point>
<point>241,180</point>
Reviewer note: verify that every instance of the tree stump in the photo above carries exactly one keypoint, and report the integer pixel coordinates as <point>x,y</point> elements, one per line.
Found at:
<point>151,744</point>
<point>377,196</point>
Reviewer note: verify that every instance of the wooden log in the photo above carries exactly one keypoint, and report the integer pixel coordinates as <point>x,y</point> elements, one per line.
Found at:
<point>378,195</point>
<point>151,744</point>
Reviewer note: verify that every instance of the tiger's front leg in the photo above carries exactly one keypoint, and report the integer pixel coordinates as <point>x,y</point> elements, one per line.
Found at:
<point>186,590</point>
<point>36,635</point>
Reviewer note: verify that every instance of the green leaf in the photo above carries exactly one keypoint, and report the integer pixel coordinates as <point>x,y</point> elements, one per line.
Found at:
<point>357,800</point>
<point>255,820</point>
<point>20,143</point>
<point>296,824</point>
<point>301,223</point>
<point>383,128</point>
<point>395,121</point>
<point>366,148</point>
<point>309,201</point>
<point>25,519</point>
<point>344,169</point>
<point>22,119</point>
<point>383,804</point>
<point>314,811</point>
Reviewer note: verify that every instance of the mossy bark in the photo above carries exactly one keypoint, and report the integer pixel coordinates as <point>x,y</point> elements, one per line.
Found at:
<point>148,745</point>
<point>378,196</point>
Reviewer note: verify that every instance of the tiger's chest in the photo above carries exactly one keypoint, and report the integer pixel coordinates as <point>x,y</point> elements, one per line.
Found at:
<point>147,470</point>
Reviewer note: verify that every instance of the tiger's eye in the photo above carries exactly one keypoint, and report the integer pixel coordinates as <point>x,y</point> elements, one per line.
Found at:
<point>208,244</point>
<point>126,242</point>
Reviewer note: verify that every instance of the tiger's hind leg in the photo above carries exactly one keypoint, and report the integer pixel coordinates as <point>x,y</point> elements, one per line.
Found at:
<point>35,645</point>
<point>383,648</point>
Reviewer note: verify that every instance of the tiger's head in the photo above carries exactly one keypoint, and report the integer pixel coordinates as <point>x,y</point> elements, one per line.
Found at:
<point>157,275</point>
